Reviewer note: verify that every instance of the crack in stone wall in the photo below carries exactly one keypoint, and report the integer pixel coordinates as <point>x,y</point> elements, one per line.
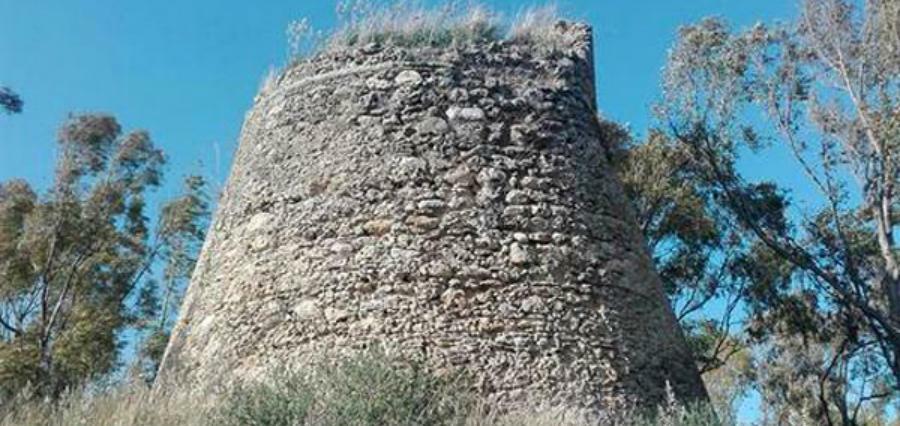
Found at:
<point>453,204</point>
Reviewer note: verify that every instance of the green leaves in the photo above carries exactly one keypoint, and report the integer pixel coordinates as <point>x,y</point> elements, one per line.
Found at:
<point>824,90</point>
<point>89,346</point>
<point>77,263</point>
<point>86,142</point>
<point>10,102</point>
<point>138,162</point>
<point>368,388</point>
<point>181,232</point>
<point>17,201</point>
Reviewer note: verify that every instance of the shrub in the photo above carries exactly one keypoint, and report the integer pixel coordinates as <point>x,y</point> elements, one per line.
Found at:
<point>365,390</point>
<point>284,401</point>
<point>368,389</point>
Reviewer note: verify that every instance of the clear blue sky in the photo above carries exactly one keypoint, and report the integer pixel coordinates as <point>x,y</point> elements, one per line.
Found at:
<point>188,70</point>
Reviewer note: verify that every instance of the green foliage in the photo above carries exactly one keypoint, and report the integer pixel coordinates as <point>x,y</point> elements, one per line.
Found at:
<point>151,351</point>
<point>676,415</point>
<point>821,291</point>
<point>181,232</point>
<point>364,390</point>
<point>10,102</point>
<point>695,244</point>
<point>89,347</point>
<point>20,367</point>
<point>285,400</point>
<point>74,259</point>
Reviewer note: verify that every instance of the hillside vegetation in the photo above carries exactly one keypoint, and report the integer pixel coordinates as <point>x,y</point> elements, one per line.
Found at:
<point>365,390</point>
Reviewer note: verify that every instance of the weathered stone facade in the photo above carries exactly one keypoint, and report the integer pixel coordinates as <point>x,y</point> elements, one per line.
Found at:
<point>454,204</point>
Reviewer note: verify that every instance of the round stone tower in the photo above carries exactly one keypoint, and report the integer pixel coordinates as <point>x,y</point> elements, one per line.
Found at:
<point>451,204</point>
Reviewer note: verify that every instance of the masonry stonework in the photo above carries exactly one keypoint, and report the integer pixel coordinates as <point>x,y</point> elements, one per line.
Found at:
<point>451,204</point>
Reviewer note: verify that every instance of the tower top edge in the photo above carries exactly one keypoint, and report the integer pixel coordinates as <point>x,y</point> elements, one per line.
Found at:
<point>561,38</point>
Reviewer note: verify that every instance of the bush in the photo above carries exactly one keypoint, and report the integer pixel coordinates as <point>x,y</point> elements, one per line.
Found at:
<point>365,390</point>
<point>287,401</point>
<point>680,415</point>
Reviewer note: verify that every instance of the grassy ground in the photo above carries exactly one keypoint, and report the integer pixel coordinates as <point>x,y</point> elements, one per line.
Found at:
<point>367,390</point>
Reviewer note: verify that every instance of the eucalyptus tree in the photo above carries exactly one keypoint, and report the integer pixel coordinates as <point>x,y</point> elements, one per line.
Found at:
<point>77,260</point>
<point>692,239</point>
<point>824,89</point>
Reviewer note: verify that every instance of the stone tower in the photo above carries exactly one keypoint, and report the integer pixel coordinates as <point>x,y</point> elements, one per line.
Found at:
<point>452,204</point>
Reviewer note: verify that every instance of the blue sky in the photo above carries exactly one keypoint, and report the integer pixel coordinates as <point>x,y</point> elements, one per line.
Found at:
<point>187,71</point>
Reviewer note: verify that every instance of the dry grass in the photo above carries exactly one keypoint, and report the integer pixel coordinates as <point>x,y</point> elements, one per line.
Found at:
<point>131,405</point>
<point>361,391</point>
<point>370,388</point>
<point>408,23</point>
<point>135,406</point>
<point>537,25</point>
<point>269,81</point>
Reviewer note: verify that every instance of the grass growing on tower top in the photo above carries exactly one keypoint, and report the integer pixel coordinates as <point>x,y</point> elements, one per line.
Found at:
<point>408,23</point>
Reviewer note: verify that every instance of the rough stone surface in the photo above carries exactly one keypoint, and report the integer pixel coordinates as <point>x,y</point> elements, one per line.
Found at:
<point>455,205</point>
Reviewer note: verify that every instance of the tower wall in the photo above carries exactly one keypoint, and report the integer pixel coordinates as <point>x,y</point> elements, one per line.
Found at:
<point>452,204</point>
